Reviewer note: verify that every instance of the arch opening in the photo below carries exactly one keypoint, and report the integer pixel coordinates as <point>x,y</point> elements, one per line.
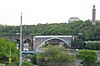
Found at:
<point>54,41</point>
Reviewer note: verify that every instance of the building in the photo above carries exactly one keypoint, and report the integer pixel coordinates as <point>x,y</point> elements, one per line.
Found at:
<point>94,21</point>
<point>73,19</point>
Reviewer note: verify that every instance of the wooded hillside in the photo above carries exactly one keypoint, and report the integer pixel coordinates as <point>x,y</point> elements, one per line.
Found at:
<point>83,28</point>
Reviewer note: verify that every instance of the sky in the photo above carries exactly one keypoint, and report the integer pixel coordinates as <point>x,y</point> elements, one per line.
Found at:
<point>46,11</point>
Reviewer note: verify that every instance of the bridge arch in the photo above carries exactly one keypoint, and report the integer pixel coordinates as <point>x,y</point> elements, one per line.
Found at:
<point>43,43</point>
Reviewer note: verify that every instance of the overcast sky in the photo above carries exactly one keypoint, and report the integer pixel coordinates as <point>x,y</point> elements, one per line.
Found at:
<point>46,11</point>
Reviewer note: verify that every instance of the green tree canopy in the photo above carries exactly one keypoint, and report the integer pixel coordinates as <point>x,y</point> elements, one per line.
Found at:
<point>78,44</point>
<point>56,53</point>
<point>88,57</point>
<point>88,31</point>
<point>5,50</point>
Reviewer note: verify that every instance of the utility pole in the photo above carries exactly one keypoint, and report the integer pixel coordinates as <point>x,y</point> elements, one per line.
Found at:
<point>10,53</point>
<point>20,63</point>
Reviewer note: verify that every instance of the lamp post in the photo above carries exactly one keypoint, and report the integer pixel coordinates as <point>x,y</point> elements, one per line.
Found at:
<point>78,61</point>
<point>46,59</point>
<point>10,50</point>
<point>10,53</point>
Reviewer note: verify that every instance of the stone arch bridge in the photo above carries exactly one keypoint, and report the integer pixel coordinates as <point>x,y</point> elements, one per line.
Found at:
<point>36,42</point>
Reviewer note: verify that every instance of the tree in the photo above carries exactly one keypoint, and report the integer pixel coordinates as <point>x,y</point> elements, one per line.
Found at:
<point>5,50</point>
<point>92,45</point>
<point>88,57</point>
<point>56,54</point>
<point>78,44</point>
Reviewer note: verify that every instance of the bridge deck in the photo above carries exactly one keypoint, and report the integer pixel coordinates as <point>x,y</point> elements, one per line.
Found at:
<point>53,36</point>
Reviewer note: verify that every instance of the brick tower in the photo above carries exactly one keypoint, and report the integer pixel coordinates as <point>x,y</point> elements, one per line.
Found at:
<point>93,15</point>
